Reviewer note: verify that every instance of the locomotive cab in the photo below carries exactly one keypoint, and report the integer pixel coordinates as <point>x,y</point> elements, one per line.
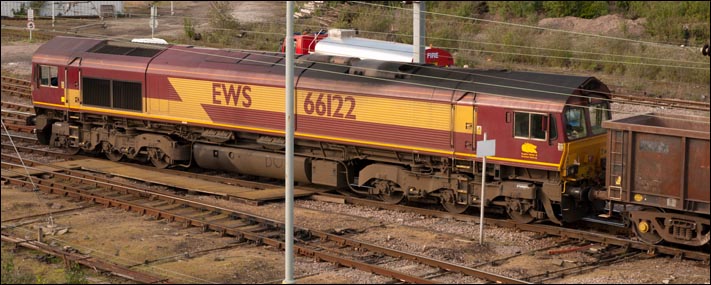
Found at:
<point>584,138</point>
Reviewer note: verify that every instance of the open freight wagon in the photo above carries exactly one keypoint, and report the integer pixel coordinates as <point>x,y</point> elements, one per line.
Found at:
<point>661,163</point>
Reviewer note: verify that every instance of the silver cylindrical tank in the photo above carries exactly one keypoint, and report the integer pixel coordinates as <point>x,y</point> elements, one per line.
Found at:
<point>258,163</point>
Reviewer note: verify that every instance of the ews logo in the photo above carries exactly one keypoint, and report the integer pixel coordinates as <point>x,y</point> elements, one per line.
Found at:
<point>231,94</point>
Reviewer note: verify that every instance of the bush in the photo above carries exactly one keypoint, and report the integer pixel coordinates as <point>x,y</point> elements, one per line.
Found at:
<point>10,274</point>
<point>222,22</point>
<point>519,9</point>
<point>75,275</point>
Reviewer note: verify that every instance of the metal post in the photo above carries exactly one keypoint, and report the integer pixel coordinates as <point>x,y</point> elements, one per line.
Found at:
<point>171,9</point>
<point>418,31</point>
<point>153,19</point>
<point>52,14</point>
<point>481,198</point>
<point>30,21</point>
<point>289,171</point>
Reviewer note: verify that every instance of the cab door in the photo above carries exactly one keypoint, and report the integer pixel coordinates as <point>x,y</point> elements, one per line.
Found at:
<point>48,80</point>
<point>72,91</point>
<point>464,125</point>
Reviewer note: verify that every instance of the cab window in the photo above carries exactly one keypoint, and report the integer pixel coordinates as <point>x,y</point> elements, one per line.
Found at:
<point>575,125</point>
<point>599,112</point>
<point>530,126</point>
<point>48,76</point>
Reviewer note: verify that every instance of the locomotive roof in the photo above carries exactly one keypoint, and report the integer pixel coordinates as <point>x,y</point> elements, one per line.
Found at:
<point>424,80</point>
<point>533,85</point>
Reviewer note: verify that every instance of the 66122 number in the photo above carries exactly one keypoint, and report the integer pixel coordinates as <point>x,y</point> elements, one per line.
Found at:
<point>330,105</point>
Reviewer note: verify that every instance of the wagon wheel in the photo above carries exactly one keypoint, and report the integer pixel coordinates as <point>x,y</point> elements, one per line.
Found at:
<point>158,158</point>
<point>450,204</point>
<point>389,192</point>
<point>519,211</point>
<point>645,230</point>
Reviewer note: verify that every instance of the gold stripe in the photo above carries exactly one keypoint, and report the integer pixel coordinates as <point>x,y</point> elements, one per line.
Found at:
<point>524,161</point>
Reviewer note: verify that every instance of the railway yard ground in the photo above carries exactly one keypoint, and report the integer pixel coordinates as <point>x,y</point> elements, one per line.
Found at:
<point>172,250</point>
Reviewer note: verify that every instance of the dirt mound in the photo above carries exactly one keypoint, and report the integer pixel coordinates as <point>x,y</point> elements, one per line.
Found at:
<point>609,25</point>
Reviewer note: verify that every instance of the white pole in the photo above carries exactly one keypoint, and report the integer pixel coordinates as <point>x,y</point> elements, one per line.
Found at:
<point>30,19</point>
<point>153,19</point>
<point>289,171</point>
<point>52,14</point>
<point>171,9</point>
<point>481,198</point>
<point>418,31</point>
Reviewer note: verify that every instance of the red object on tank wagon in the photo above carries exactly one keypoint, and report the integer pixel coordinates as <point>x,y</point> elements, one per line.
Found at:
<point>344,43</point>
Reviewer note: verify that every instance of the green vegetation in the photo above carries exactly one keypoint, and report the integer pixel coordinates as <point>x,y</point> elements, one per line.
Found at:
<point>476,41</point>
<point>10,274</point>
<point>75,275</point>
<point>224,25</point>
<point>188,28</point>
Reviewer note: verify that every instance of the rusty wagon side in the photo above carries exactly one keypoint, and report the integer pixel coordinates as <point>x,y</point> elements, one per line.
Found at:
<point>661,163</point>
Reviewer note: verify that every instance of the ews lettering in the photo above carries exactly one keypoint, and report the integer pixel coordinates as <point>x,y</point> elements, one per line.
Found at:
<point>330,105</point>
<point>230,93</point>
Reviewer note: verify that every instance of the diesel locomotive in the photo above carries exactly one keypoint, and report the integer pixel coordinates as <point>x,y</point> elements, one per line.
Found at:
<point>390,130</point>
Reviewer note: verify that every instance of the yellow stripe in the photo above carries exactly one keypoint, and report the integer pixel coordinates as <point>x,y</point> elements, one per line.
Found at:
<point>524,161</point>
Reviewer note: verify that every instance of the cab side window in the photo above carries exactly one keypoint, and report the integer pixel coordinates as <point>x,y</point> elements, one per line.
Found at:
<point>47,76</point>
<point>576,125</point>
<point>530,126</point>
<point>599,112</point>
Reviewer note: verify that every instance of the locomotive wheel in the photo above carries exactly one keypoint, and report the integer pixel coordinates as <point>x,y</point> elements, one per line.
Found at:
<point>114,155</point>
<point>521,218</point>
<point>448,202</point>
<point>389,192</point>
<point>392,198</point>
<point>160,163</point>
<point>72,150</point>
<point>158,159</point>
<point>645,231</point>
<point>518,212</point>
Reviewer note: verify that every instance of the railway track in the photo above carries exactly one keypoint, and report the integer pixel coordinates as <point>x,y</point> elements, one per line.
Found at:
<point>583,235</point>
<point>16,87</point>
<point>89,261</point>
<point>662,102</point>
<point>243,226</point>
<point>20,32</point>
<point>337,249</point>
